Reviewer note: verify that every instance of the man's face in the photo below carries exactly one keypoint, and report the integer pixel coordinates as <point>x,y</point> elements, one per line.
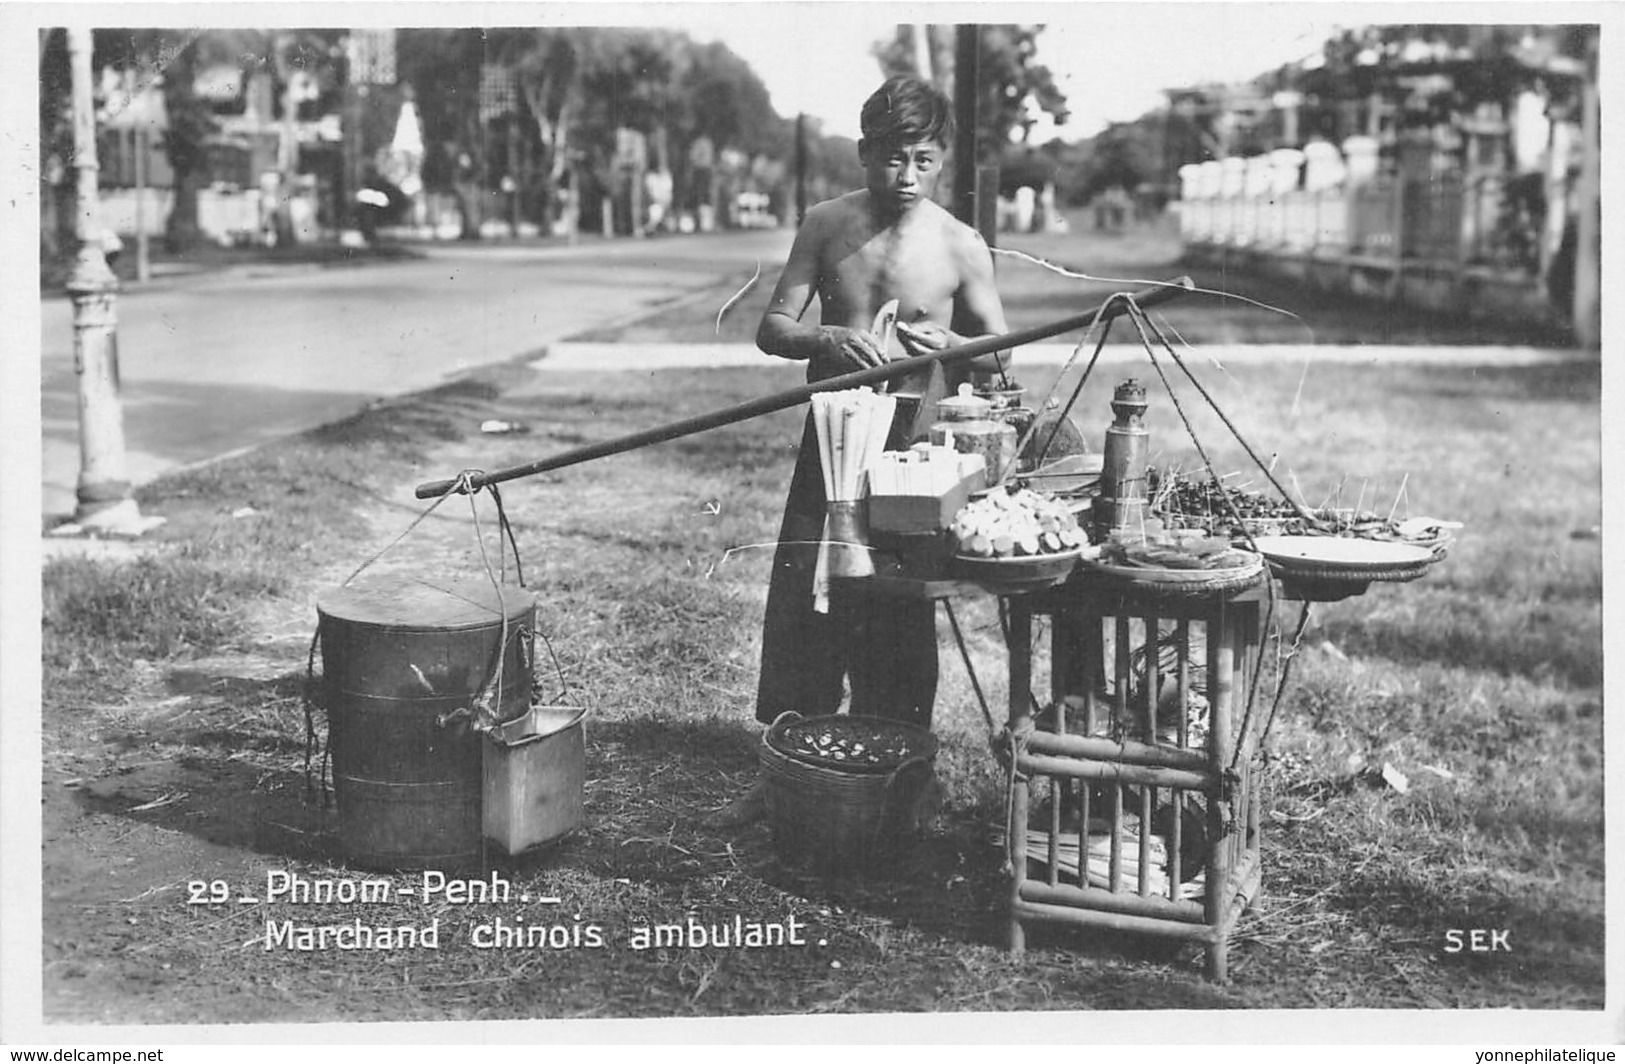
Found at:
<point>902,175</point>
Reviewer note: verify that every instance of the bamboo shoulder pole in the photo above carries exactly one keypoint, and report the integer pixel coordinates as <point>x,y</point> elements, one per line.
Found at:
<point>769,404</point>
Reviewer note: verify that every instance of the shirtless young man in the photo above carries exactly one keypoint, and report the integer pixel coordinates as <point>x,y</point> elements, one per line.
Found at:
<point>889,240</point>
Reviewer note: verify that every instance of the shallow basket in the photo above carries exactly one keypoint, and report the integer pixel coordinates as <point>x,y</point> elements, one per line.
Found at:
<point>830,814</point>
<point>1177,583</point>
<point>1014,576</point>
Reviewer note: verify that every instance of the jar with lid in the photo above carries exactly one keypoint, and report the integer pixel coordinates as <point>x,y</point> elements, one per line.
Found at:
<point>967,423</point>
<point>1008,407</point>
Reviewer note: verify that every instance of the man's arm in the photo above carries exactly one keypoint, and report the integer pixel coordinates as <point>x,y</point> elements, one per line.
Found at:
<point>978,310</point>
<point>784,334</point>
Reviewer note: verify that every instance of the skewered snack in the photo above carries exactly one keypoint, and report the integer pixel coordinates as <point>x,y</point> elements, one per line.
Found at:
<point>1204,553</point>
<point>1214,508</point>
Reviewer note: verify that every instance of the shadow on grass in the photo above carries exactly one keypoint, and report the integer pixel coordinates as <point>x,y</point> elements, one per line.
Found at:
<point>425,418</point>
<point>1550,943</point>
<point>232,803</point>
<point>944,888</point>
<point>234,754</point>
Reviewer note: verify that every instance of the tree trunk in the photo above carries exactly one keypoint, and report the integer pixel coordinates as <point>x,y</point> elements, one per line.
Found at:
<point>468,205</point>
<point>287,152</point>
<point>181,232</point>
<point>189,123</point>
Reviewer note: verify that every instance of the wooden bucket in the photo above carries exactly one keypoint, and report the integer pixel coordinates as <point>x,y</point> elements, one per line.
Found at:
<point>403,659</point>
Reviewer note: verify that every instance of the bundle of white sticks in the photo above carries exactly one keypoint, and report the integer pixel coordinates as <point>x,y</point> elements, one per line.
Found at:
<point>852,427</point>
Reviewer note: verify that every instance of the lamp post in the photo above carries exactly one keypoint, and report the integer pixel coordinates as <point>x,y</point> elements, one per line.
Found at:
<point>105,503</point>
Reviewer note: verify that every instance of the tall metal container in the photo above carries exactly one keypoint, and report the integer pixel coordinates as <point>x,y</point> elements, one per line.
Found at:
<point>1124,484</point>
<point>400,657</point>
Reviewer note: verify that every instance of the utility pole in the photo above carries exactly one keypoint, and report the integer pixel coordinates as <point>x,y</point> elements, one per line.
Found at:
<point>105,502</point>
<point>801,168</point>
<point>976,188</point>
<point>1587,309</point>
<point>967,56</point>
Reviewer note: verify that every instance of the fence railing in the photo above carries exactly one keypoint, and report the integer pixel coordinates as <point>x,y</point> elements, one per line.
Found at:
<point>1443,221</point>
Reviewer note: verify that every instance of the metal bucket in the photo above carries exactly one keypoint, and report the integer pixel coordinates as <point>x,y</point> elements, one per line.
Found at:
<point>401,656</point>
<point>535,771</point>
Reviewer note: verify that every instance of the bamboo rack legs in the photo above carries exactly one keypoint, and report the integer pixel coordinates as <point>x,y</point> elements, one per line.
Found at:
<point>1139,781</point>
<point>1020,724</point>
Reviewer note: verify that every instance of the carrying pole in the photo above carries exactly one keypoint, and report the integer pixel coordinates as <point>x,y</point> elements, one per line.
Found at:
<point>769,404</point>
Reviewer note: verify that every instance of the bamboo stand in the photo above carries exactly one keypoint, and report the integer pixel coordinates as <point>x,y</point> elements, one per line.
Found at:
<point>1114,752</point>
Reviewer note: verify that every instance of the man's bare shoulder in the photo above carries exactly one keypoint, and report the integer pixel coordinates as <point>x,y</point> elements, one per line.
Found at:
<point>963,241</point>
<point>841,209</point>
<point>959,236</point>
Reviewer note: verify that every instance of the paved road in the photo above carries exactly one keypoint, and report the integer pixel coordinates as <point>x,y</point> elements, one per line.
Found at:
<point>213,364</point>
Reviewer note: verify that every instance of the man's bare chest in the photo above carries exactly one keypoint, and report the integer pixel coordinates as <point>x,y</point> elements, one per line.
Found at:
<point>917,271</point>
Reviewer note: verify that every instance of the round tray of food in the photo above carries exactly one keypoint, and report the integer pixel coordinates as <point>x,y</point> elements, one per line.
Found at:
<point>1180,564</point>
<point>1431,532</point>
<point>1349,558</point>
<point>1017,574</point>
<point>1219,510</point>
<point>1011,541</point>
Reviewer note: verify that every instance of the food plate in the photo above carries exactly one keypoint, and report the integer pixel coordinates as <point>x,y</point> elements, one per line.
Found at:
<point>1306,553</point>
<point>1156,575</point>
<point>1032,572</point>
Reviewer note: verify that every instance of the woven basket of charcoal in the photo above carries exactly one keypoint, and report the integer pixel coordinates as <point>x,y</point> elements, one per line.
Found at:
<point>844,790</point>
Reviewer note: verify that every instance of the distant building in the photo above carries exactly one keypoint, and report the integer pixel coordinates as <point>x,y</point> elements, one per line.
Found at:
<point>1446,168</point>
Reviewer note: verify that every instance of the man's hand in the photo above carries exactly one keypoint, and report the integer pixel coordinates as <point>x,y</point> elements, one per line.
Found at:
<point>850,349</point>
<point>922,336</point>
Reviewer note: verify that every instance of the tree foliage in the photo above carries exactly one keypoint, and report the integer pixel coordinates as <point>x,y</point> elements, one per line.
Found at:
<point>576,87</point>
<point>173,59</point>
<point>1013,84</point>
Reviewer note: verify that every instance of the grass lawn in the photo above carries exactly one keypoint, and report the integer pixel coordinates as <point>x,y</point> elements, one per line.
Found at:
<point>175,741</point>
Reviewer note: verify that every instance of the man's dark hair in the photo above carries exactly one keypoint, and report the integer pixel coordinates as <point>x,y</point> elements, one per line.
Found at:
<point>906,110</point>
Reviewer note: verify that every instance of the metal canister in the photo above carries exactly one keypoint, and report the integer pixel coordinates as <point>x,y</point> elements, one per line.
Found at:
<point>969,423</point>
<point>403,659</point>
<point>1123,478</point>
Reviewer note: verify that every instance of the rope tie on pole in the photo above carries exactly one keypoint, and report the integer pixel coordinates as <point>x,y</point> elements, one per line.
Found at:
<point>481,714</point>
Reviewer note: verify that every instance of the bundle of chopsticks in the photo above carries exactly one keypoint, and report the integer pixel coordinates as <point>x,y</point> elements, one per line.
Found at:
<point>852,427</point>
